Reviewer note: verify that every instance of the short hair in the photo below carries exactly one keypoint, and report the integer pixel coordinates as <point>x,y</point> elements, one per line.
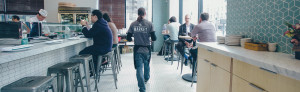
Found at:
<point>16,17</point>
<point>172,19</point>
<point>204,16</point>
<point>141,11</point>
<point>97,13</point>
<point>106,17</point>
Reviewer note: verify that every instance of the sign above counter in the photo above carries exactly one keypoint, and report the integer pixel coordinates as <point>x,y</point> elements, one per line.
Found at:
<point>74,9</point>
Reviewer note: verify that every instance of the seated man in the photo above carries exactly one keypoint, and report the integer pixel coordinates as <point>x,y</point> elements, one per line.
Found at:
<point>101,34</point>
<point>172,30</point>
<point>205,31</point>
<point>184,30</point>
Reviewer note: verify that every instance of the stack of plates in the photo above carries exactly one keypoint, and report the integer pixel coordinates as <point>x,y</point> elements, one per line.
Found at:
<point>233,40</point>
<point>221,39</point>
<point>244,40</point>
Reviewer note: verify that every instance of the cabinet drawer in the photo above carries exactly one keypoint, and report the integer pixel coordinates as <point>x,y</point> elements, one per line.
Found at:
<point>205,54</point>
<point>220,79</point>
<point>222,61</point>
<point>260,77</point>
<point>286,84</point>
<point>203,76</point>
<point>240,85</point>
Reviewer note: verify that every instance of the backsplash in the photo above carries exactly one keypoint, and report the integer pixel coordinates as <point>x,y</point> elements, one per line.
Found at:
<point>263,20</point>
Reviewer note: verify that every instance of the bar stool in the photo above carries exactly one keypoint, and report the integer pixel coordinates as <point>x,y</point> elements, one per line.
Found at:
<point>86,60</point>
<point>110,59</point>
<point>67,70</point>
<point>172,48</point>
<point>31,84</point>
<point>117,57</point>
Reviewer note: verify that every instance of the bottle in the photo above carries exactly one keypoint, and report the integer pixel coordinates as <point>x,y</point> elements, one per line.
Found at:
<point>24,38</point>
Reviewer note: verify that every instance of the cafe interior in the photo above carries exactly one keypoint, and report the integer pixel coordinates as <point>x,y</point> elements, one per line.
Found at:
<point>149,46</point>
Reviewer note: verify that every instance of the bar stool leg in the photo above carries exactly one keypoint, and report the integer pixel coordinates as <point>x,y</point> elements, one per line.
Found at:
<point>60,82</point>
<point>80,79</point>
<point>98,68</point>
<point>87,76</point>
<point>69,81</point>
<point>113,70</point>
<point>172,52</point>
<point>94,74</point>
<point>179,57</point>
<point>182,61</point>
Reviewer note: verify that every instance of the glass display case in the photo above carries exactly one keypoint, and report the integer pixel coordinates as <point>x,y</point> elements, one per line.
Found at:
<point>61,30</point>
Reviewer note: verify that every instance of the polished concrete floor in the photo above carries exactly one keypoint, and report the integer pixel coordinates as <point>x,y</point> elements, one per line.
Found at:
<point>164,77</point>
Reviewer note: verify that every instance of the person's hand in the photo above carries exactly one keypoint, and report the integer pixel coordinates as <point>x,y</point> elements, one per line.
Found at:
<point>194,38</point>
<point>295,41</point>
<point>186,43</point>
<point>83,22</point>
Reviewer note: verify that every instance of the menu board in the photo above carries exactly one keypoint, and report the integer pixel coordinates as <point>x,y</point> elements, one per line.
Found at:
<point>24,6</point>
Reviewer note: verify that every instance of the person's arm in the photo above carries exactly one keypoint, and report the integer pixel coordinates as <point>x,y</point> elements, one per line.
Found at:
<point>129,34</point>
<point>194,33</point>
<point>152,33</point>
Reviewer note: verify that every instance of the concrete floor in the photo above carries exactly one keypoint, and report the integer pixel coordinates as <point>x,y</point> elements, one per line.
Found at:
<point>164,77</point>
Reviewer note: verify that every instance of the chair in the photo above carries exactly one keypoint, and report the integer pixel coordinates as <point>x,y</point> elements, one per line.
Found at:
<point>86,60</point>
<point>110,59</point>
<point>31,84</point>
<point>67,70</point>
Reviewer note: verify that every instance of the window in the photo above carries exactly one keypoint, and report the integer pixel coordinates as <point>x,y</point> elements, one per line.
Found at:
<point>174,9</point>
<point>190,7</point>
<point>132,7</point>
<point>217,10</point>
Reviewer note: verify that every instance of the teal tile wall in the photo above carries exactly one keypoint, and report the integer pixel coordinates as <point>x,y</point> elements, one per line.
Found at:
<point>263,20</point>
<point>160,17</point>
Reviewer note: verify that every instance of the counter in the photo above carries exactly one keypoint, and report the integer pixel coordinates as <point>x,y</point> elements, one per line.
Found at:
<point>281,63</point>
<point>36,60</point>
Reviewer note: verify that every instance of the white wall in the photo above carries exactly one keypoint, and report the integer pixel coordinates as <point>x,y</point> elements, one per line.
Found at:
<point>52,7</point>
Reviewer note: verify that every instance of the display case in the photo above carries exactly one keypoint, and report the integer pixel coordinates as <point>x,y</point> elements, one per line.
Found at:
<point>73,15</point>
<point>61,30</point>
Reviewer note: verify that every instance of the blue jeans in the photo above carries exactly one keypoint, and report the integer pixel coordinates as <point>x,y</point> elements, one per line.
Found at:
<point>142,61</point>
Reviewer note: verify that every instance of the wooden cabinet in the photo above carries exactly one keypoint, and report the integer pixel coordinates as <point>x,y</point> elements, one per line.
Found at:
<point>219,73</point>
<point>286,84</point>
<point>211,78</point>
<point>240,85</point>
<point>203,76</point>
<point>260,77</point>
<point>220,79</point>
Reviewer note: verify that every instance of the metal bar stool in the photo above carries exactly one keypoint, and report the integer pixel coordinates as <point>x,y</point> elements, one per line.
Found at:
<point>86,60</point>
<point>172,48</point>
<point>67,70</point>
<point>31,84</point>
<point>117,58</point>
<point>110,59</point>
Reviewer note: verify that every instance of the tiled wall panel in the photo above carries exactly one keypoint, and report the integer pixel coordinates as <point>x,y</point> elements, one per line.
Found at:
<point>36,65</point>
<point>263,20</point>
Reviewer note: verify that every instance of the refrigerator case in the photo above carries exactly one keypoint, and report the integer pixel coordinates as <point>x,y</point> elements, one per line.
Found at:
<point>74,14</point>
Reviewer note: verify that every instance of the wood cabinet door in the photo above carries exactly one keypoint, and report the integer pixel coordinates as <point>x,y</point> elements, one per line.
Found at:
<point>261,77</point>
<point>203,76</point>
<point>220,79</point>
<point>221,61</point>
<point>240,85</point>
<point>286,84</point>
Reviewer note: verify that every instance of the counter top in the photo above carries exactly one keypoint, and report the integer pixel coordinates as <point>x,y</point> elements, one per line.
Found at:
<point>281,63</point>
<point>38,48</point>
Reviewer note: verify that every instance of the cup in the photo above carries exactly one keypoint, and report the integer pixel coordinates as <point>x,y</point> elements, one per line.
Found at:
<point>272,47</point>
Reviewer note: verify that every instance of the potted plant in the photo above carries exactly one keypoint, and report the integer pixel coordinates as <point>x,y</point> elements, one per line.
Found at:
<point>294,32</point>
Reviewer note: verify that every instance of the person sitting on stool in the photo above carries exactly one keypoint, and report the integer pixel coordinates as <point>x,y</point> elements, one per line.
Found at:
<point>101,34</point>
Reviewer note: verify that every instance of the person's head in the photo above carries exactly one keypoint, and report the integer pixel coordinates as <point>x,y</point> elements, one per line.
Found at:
<point>42,14</point>
<point>106,17</point>
<point>141,13</point>
<point>187,18</point>
<point>15,18</point>
<point>172,19</point>
<point>204,17</point>
<point>96,14</point>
